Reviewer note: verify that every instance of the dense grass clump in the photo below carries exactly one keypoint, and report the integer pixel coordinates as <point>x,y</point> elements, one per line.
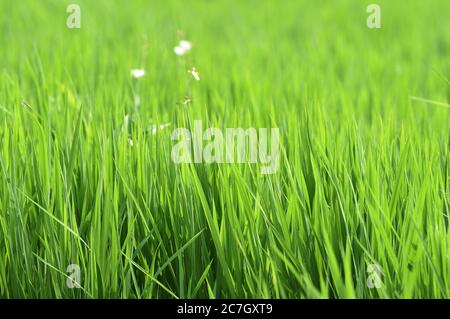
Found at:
<point>87,178</point>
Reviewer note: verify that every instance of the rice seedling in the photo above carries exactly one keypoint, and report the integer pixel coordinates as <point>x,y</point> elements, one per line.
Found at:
<point>92,204</point>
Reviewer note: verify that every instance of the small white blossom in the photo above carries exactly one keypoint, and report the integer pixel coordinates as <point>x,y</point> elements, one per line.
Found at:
<point>182,48</point>
<point>186,101</point>
<point>179,51</point>
<point>185,45</point>
<point>194,74</point>
<point>137,73</point>
<point>162,126</point>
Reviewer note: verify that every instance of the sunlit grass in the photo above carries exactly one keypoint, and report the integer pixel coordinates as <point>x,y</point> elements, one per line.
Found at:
<point>86,175</point>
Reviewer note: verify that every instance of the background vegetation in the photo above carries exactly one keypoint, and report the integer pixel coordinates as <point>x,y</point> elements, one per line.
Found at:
<point>364,170</point>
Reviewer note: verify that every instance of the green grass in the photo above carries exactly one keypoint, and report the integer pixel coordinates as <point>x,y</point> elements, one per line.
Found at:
<point>364,171</point>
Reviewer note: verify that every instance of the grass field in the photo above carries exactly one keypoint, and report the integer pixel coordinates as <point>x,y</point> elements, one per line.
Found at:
<point>87,178</point>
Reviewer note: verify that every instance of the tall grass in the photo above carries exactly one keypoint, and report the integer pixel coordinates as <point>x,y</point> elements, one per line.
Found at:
<point>364,172</point>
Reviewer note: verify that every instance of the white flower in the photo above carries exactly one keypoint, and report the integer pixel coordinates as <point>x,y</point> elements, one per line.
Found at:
<point>179,51</point>
<point>137,73</point>
<point>194,74</point>
<point>162,126</point>
<point>186,101</point>
<point>185,45</point>
<point>182,48</point>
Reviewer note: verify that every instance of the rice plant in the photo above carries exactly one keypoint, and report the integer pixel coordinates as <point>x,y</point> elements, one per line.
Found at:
<point>92,204</point>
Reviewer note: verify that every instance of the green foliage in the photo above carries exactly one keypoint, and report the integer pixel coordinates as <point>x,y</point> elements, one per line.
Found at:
<point>364,171</point>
